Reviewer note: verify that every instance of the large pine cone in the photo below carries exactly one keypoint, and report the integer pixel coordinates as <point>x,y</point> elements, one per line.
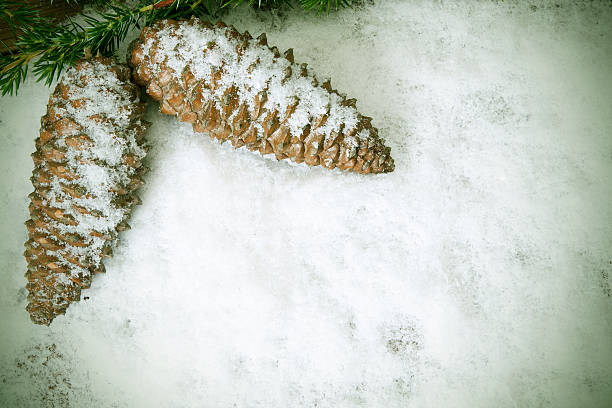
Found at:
<point>241,90</point>
<point>87,168</point>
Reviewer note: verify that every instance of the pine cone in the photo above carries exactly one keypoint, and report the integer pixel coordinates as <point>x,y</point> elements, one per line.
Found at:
<point>241,90</point>
<point>87,168</point>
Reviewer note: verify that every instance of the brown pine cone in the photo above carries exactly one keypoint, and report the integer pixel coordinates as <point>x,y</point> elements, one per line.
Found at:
<point>241,90</point>
<point>87,168</point>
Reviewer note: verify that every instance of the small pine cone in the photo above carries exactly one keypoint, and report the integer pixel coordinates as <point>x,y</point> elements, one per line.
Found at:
<point>87,168</point>
<point>239,89</point>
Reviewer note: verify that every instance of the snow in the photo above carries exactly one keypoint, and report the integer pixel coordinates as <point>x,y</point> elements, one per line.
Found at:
<point>476,274</point>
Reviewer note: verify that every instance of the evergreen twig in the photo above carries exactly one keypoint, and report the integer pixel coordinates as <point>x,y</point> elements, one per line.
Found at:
<point>50,47</point>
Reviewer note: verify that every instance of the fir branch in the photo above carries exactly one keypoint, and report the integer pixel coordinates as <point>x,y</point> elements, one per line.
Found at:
<point>51,47</point>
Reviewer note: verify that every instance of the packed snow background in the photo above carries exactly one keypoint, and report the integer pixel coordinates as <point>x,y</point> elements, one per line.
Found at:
<point>477,274</point>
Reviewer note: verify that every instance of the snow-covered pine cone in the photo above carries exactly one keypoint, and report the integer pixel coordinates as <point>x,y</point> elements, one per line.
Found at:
<point>240,89</point>
<point>87,168</point>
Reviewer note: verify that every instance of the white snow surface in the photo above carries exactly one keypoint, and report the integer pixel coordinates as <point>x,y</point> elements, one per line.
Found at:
<point>477,274</point>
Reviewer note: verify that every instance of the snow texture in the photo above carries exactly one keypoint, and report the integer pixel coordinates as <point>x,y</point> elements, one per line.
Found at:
<point>477,274</point>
